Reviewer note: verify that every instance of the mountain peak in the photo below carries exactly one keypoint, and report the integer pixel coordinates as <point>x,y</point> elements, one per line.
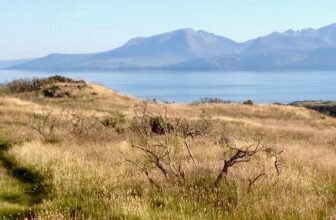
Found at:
<point>290,31</point>
<point>186,30</point>
<point>167,35</point>
<point>185,42</point>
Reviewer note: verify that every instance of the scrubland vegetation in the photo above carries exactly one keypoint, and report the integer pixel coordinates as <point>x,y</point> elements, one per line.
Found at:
<point>325,107</point>
<point>75,150</point>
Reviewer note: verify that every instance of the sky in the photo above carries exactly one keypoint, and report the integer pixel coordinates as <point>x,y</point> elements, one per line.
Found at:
<point>35,28</point>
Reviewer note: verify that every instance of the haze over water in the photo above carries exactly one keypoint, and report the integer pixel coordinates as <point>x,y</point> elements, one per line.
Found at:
<point>186,87</point>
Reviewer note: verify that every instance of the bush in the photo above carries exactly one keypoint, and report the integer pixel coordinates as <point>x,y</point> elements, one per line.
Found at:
<point>160,126</point>
<point>248,102</point>
<point>116,121</point>
<point>29,85</point>
<point>210,100</point>
<point>21,85</point>
<point>324,109</point>
<point>81,125</point>
<point>277,103</point>
<point>55,92</point>
<point>44,125</point>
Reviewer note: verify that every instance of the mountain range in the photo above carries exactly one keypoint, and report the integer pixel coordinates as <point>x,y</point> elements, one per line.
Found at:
<point>187,49</point>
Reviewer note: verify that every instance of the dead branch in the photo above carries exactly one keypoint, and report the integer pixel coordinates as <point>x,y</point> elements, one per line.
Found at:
<point>145,171</point>
<point>255,179</point>
<point>154,158</point>
<point>240,156</point>
<point>278,163</point>
<point>189,151</point>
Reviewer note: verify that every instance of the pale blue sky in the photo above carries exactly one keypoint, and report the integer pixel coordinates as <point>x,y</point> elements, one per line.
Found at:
<point>32,28</point>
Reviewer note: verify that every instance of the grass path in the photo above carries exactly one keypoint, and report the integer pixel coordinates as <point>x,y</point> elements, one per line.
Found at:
<point>20,187</point>
<point>13,199</point>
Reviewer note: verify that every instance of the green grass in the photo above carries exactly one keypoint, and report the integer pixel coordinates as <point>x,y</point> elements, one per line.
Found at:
<point>20,187</point>
<point>13,198</point>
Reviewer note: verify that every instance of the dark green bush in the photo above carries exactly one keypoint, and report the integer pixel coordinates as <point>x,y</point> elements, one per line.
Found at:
<point>116,121</point>
<point>55,92</point>
<point>210,100</point>
<point>29,85</point>
<point>248,102</point>
<point>160,126</point>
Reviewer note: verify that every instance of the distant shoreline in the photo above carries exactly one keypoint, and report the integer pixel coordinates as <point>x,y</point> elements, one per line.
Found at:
<point>189,87</point>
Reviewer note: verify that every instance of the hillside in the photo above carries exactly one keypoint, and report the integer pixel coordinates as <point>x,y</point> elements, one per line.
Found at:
<point>187,49</point>
<point>75,150</point>
<point>9,63</point>
<point>325,107</point>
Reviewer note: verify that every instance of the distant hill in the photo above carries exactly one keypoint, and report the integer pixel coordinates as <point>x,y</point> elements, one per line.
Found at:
<point>324,107</point>
<point>8,63</point>
<point>190,49</point>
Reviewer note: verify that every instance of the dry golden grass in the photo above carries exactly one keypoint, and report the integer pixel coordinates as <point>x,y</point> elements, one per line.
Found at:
<point>91,179</point>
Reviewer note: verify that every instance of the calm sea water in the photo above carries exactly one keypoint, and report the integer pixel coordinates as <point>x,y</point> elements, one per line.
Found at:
<point>186,87</point>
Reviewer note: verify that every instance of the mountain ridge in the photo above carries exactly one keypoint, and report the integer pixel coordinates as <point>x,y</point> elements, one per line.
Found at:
<point>191,49</point>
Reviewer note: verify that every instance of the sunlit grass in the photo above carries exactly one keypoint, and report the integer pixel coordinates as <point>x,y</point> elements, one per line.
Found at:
<point>90,178</point>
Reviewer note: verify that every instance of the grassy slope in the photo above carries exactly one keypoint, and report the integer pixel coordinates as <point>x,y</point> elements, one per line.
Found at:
<point>328,108</point>
<point>90,178</point>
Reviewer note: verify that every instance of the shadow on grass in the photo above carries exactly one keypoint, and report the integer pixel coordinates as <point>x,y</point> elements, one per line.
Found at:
<point>34,183</point>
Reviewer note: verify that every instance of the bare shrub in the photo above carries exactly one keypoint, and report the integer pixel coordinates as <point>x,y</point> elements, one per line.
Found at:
<point>21,85</point>
<point>159,140</point>
<point>86,127</point>
<point>80,124</point>
<point>188,128</point>
<point>236,155</point>
<point>44,124</point>
<point>76,123</point>
<point>168,150</point>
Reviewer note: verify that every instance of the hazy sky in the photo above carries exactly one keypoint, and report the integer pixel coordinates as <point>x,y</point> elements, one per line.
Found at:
<point>32,28</point>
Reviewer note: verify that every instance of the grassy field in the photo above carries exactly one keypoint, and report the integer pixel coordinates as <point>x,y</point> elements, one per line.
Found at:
<point>74,150</point>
